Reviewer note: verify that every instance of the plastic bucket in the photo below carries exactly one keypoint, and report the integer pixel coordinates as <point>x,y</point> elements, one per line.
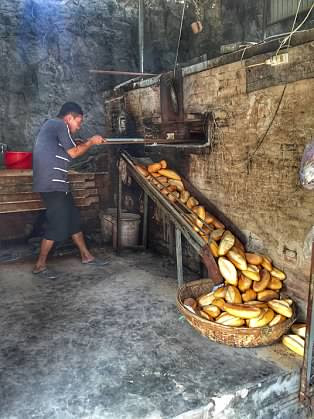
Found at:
<point>130,224</point>
<point>106,224</point>
<point>18,159</point>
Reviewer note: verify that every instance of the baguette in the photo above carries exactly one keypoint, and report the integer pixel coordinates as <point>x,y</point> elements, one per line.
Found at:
<point>212,310</point>
<point>177,183</point>
<point>229,320</point>
<point>299,329</point>
<point>274,284</point>
<point>213,248</point>
<point>227,270</point>
<point>263,319</point>
<point>206,299</point>
<point>288,301</point>
<point>258,304</point>
<point>155,167</point>
<point>220,292</point>
<point>295,343</point>
<point>218,224</point>
<point>236,257</point>
<point>208,229</point>
<point>209,218</point>
<point>141,169</point>
<point>278,274</point>
<point>244,283</point>
<point>219,302</point>
<point>162,179</point>
<point>253,268</point>
<point>253,258</point>
<point>226,243</point>
<point>267,263</point>
<point>155,175</point>
<point>217,234</point>
<point>184,196</point>
<point>243,311</point>
<point>206,316</point>
<point>279,318</point>
<point>163,164</point>
<point>191,202</point>
<point>169,173</point>
<point>254,276</point>
<point>249,295</point>
<point>279,307</point>
<point>267,295</point>
<point>233,295</point>
<point>261,285</point>
<point>190,302</point>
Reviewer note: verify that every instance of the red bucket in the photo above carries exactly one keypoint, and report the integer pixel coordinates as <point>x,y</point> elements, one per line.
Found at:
<point>18,159</point>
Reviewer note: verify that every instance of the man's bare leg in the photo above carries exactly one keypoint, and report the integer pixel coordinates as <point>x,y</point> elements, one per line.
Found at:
<point>45,248</point>
<point>78,239</point>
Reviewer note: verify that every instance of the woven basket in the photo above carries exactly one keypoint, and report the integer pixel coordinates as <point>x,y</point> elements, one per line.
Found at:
<point>233,336</point>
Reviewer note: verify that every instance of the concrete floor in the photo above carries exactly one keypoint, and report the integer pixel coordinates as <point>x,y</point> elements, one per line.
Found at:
<point>109,343</point>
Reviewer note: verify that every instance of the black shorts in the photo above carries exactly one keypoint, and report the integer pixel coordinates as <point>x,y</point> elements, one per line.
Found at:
<point>63,218</point>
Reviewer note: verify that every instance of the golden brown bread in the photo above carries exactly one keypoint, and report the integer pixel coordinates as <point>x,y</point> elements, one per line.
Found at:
<point>258,304</point>
<point>295,343</point>
<point>229,320</point>
<point>141,169</point>
<point>233,295</point>
<point>169,173</point>
<point>226,243</point>
<point>251,275</point>
<point>278,274</point>
<point>163,164</point>
<point>244,283</point>
<point>267,295</point>
<point>279,318</point>
<point>243,311</point>
<point>205,299</point>
<point>299,329</point>
<point>261,285</point>
<point>267,263</point>
<point>279,307</point>
<point>249,295</point>
<point>190,302</point>
<point>213,247</point>
<point>263,319</point>
<point>191,202</point>
<point>253,258</point>
<point>219,302</point>
<point>155,167</point>
<point>274,284</point>
<point>177,183</point>
<point>184,196</point>
<point>220,292</point>
<point>217,234</point>
<point>227,270</point>
<point>218,224</point>
<point>209,218</point>
<point>206,316</point>
<point>236,257</point>
<point>212,310</point>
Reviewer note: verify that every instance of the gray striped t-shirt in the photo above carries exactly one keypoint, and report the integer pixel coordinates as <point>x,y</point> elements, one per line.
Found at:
<point>50,157</point>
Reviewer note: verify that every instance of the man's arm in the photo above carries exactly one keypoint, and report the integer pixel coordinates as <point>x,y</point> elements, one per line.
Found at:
<point>81,149</point>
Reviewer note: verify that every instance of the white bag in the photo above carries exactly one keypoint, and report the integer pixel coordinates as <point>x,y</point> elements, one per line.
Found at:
<point>307,167</point>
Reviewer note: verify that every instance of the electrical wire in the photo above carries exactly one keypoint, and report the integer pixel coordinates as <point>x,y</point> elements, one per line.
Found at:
<point>179,39</point>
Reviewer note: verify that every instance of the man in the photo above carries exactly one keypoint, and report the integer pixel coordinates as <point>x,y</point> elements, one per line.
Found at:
<point>53,151</point>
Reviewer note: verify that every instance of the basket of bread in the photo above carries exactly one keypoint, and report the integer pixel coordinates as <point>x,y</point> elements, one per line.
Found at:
<point>248,309</point>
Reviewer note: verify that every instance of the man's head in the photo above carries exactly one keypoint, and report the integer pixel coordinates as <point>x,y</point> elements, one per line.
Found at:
<point>72,114</point>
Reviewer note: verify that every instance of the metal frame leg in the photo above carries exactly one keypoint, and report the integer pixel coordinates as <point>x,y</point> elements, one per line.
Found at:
<point>119,212</point>
<point>145,220</point>
<point>179,257</point>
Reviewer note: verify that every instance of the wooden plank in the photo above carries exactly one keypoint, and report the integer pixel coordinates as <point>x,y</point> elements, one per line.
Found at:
<point>31,196</point>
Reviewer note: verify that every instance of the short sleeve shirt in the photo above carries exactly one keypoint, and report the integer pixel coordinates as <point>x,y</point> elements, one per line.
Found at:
<point>50,158</point>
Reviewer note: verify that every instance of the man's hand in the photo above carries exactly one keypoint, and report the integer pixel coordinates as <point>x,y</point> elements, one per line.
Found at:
<point>97,140</point>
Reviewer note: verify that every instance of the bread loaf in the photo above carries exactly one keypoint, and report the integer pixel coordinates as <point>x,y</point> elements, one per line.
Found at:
<point>274,284</point>
<point>212,310</point>
<point>173,196</point>
<point>243,311</point>
<point>295,343</point>
<point>217,234</point>
<point>244,283</point>
<point>249,295</point>
<point>141,169</point>
<point>209,218</point>
<point>267,295</point>
<point>155,167</point>
<point>279,318</point>
<point>169,173</point>
<point>298,329</point>
<point>226,243</point>
<point>213,248</point>
<point>261,285</point>
<point>233,295</point>
<point>229,320</point>
<point>208,229</point>
<point>254,276</point>
<point>287,300</point>
<point>171,188</point>
<point>164,191</point>
<point>155,175</point>
<point>163,164</point>
<point>177,183</point>
<point>228,271</point>
<point>258,304</point>
<point>220,292</point>
<point>218,224</point>
<point>184,196</point>
<point>239,246</point>
<point>191,202</point>
<point>279,307</point>
<point>253,258</point>
<point>263,319</point>
<point>163,179</point>
<point>206,299</point>
<point>267,263</point>
<point>190,302</point>
<point>219,302</point>
<point>206,316</point>
<point>237,259</point>
<point>278,274</point>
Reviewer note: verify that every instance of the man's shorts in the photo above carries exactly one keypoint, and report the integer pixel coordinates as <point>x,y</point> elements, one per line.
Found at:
<point>63,218</point>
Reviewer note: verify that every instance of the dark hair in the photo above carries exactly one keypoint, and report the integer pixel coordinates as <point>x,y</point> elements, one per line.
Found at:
<point>70,107</point>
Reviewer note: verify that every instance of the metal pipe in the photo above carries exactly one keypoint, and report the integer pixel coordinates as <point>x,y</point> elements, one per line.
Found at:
<point>141,34</point>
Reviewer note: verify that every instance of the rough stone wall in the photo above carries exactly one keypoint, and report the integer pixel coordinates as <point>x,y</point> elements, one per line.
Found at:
<point>261,195</point>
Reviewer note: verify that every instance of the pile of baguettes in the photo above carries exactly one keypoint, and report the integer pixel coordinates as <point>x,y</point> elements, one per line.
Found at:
<point>250,296</point>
